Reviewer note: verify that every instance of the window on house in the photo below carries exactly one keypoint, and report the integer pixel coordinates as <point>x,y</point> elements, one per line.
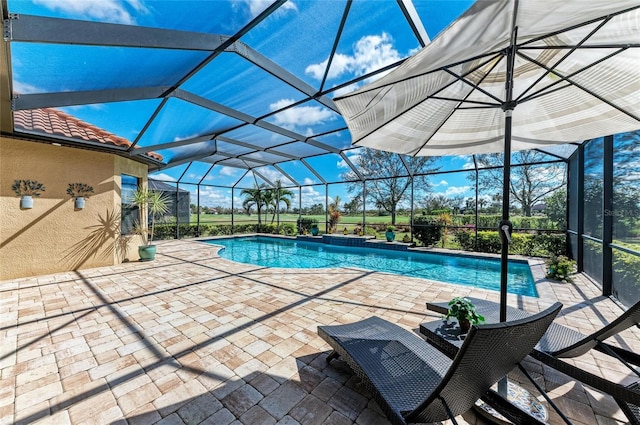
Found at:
<point>129,211</point>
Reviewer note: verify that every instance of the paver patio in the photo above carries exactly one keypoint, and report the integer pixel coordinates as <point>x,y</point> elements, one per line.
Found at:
<point>192,338</point>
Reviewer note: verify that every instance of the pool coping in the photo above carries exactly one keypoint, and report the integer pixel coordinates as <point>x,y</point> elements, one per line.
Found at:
<point>381,244</point>
<point>543,285</point>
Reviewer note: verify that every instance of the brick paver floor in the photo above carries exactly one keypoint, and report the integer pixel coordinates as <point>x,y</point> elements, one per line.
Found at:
<point>192,338</point>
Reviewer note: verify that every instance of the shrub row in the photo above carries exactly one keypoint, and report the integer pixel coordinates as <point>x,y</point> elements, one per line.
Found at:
<point>626,276</point>
<point>492,220</point>
<point>427,230</point>
<point>305,223</point>
<point>168,231</point>
<point>543,245</point>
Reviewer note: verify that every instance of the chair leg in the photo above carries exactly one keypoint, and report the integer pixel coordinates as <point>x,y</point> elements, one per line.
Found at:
<point>544,394</point>
<point>609,350</point>
<point>630,410</point>
<point>332,355</point>
<point>449,412</point>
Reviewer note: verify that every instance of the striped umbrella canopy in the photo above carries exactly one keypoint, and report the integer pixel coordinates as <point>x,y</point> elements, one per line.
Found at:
<point>508,75</point>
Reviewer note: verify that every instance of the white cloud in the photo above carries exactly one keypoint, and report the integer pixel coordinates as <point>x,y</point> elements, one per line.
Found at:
<point>456,190</point>
<point>441,183</point>
<point>369,53</point>
<point>116,11</point>
<point>469,165</point>
<point>310,196</point>
<point>414,51</point>
<point>256,7</point>
<point>229,171</point>
<point>212,197</point>
<point>308,180</point>
<point>346,89</point>
<point>24,88</point>
<point>163,177</point>
<point>354,158</point>
<point>299,117</point>
<point>71,109</point>
<point>272,175</point>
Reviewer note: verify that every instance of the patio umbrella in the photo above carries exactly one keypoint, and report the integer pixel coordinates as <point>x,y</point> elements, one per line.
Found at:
<point>508,75</point>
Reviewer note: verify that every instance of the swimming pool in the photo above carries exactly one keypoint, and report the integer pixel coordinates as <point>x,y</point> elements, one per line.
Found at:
<point>290,253</point>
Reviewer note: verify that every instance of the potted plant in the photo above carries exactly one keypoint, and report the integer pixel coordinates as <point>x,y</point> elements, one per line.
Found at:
<point>151,205</point>
<point>390,233</point>
<point>80,192</point>
<point>560,267</point>
<point>314,229</point>
<point>27,189</point>
<point>345,231</point>
<point>465,313</point>
<point>406,238</point>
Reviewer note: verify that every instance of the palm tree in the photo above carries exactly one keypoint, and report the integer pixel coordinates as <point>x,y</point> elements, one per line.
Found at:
<point>268,197</point>
<point>154,204</point>
<point>280,194</point>
<point>254,197</point>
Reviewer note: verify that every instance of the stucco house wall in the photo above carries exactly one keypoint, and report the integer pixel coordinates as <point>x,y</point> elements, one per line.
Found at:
<point>54,236</point>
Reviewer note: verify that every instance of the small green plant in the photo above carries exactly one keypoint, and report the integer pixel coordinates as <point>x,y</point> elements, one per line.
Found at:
<point>445,220</point>
<point>305,224</point>
<point>151,202</point>
<point>427,230</point>
<point>79,190</point>
<point>560,267</point>
<point>28,188</point>
<point>465,313</point>
<point>334,215</point>
<point>390,234</point>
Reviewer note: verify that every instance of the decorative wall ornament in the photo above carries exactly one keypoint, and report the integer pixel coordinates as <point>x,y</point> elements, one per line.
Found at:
<point>27,190</point>
<point>79,191</point>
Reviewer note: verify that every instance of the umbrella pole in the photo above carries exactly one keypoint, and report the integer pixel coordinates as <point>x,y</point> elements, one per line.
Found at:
<point>505,227</point>
<point>505,234</point>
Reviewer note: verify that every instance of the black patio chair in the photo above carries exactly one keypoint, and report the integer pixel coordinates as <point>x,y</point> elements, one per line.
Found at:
<point>413,382</point>
<point>563,342</point>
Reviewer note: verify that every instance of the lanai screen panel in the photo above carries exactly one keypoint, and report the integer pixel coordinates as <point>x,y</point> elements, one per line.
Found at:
<point>232,85</point>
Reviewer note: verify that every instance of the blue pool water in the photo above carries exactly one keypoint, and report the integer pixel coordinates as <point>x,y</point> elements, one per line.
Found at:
<point>288,253</point>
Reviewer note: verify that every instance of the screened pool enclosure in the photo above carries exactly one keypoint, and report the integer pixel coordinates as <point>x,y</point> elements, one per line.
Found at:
<point>228,101</point>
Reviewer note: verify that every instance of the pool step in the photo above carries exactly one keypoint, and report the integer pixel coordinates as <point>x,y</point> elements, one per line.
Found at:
<point>357,241</point>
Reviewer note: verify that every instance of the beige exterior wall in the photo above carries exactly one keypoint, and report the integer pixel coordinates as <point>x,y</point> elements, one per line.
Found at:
<point>54,236</point>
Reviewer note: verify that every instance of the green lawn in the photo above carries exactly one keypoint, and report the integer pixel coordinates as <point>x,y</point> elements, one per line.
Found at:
<point>293,218</point>
<point>350,222</point>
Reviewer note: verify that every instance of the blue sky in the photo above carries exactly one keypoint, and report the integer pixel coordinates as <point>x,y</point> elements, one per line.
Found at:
<point>374,36</point>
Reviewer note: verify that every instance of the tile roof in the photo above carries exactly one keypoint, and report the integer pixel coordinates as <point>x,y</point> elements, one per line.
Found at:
<point>53,122</point>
